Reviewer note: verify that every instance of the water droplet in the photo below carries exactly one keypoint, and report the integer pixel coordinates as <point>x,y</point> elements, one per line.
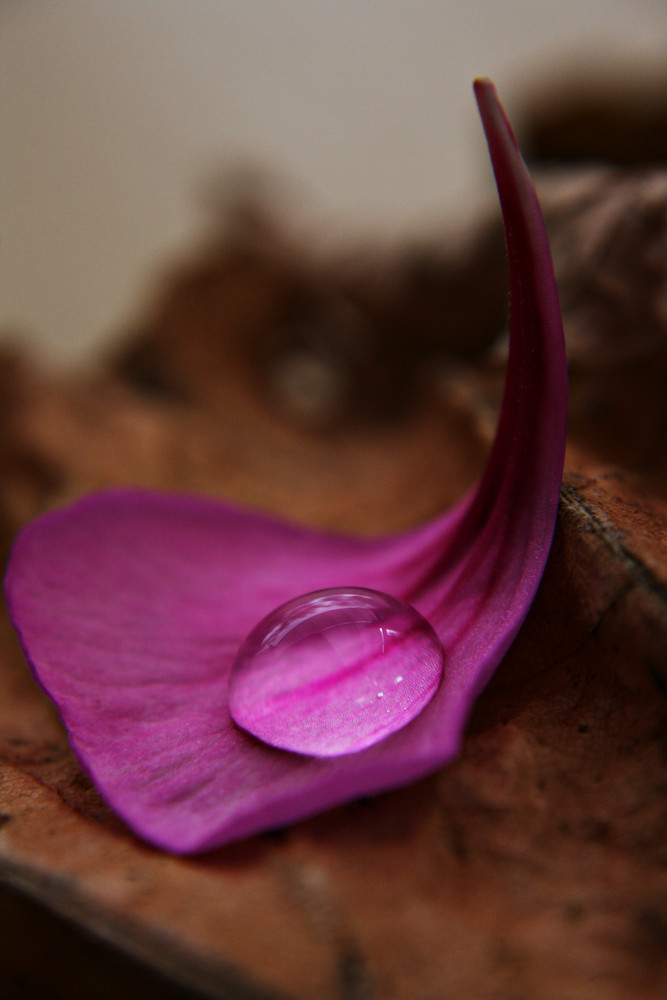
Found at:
<point>335,671</point>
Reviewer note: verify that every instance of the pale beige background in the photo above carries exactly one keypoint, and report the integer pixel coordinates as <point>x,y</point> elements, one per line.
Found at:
<point>115,115</point>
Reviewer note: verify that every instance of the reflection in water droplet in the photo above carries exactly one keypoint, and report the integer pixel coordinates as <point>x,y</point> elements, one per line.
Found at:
<point>335,671</point>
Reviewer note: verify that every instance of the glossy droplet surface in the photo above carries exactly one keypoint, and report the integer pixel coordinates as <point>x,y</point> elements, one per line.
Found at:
<point>335,671</point>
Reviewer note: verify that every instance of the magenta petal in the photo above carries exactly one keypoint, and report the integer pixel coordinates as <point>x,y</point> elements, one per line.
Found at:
<point>131,606</point>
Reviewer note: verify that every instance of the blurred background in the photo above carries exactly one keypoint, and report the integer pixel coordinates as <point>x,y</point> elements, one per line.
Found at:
<point>124,123</point>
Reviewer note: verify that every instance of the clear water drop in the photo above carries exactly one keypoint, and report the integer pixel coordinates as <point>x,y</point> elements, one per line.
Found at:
<point>335,671</point>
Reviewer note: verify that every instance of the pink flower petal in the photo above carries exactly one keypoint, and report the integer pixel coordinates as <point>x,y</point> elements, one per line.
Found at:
<point>131,606</point>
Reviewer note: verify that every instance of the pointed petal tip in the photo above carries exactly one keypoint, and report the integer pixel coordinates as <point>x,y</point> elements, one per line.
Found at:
<point>491,110</point>
<point>484,89</point>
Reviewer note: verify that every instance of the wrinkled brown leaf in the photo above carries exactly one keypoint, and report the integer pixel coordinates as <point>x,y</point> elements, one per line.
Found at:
<point>535,867</point>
